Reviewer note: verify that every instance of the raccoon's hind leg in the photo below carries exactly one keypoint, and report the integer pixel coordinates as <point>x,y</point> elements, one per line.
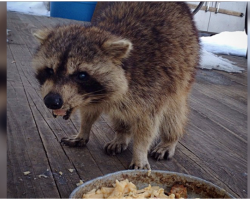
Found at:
<point>82,138</point>
<point>121,140</point>
<point>171,130</point>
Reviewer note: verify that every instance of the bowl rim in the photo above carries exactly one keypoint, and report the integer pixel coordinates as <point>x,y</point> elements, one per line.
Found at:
<point>152,171</point>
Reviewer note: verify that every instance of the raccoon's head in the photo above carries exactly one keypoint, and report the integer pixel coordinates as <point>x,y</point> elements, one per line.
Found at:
<point>80,66</point>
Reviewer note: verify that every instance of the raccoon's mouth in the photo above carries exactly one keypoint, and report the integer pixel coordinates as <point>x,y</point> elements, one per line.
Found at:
<point>61,112</point>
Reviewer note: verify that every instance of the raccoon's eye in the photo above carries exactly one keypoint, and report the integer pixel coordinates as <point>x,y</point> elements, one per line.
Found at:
<point>49,71</point>
<point>82,76</point>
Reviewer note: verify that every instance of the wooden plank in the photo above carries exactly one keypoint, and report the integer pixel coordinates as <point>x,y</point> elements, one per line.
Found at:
<point>63,21</point>
<point>197,167</point>
<point>24,30</point>
<point>21,159</point>
<point>15,151</point>
<point>226,122</point>
<point>240,62</point>
<point>222,97</point>
<point>219,134</point>
<point>230,168</point>
<point>13,37</point>
<point>222,111</point>
<point>220,82</point>
<point>12,189</point>
<point>53,22</point>
<point>66,182</point>
<point>30,19</point>
<point>28,156</point>
<point>47,21</point>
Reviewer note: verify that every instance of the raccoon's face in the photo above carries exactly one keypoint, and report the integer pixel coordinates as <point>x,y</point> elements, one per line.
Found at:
<point>80,66</point>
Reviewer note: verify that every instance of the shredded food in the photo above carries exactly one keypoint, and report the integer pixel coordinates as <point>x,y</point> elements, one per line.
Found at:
<point>127,190</point>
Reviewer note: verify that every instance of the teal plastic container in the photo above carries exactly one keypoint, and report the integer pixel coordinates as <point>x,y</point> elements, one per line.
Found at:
<point>82,11</point>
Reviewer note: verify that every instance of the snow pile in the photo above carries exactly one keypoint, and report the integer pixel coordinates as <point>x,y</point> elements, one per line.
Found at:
<point>212,61</point>
<point>230,43</point>
<point>32,8</point>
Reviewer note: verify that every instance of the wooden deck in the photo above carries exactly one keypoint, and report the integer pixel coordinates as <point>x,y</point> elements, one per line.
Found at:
<point>214,147</point>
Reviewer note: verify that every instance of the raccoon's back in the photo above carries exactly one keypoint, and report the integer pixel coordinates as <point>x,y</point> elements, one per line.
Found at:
<point>147,23</point>
<point>164,37</point>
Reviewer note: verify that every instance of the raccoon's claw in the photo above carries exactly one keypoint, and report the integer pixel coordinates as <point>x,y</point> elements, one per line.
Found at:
<point>114,148</point>
<point>79,142</point>
<point>139,166</point>
<point>160,154</point>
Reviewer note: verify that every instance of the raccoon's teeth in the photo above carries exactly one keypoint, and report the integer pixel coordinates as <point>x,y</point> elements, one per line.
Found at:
<point>55,116</point>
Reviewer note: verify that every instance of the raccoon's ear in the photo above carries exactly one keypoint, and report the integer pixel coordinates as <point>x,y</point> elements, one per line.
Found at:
<point>41,34</point>
<point>118,49</point>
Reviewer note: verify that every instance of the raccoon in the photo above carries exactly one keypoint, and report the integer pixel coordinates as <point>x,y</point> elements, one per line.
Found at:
<point>136,62</point>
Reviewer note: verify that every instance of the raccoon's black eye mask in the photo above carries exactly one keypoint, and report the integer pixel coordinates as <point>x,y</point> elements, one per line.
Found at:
<point>43,74</point>
<point>85,83</point>
<point>88,84</point>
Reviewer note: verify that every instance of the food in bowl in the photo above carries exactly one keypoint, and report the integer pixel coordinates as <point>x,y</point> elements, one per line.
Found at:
<point>127,190</point>
<point>170,181</point>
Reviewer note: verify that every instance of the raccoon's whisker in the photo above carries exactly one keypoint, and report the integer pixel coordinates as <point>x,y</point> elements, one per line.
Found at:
<point>97,95</point>
<point>94,92</point>
<point>94,97</point>
<point>90,93</point>
<point>95,101</point>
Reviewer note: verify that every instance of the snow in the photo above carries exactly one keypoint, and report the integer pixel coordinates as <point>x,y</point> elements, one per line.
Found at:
<point>230,43</point>
<point>212,61</point>
<point>32,8</point>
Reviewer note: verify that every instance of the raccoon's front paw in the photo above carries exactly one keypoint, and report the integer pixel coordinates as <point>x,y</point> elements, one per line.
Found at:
<point>162,152</point>
<point>140,164</point>
<point>114,147</point>
<point>74,142</point>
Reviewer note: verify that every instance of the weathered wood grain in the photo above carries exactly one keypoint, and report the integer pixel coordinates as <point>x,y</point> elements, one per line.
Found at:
<point>25,150</point>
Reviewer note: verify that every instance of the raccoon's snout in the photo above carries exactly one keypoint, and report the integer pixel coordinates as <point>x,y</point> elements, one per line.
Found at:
<point>53,101</point>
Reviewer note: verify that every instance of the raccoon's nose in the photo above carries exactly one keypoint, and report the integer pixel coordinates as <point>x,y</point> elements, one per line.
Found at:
<point>53,101</point>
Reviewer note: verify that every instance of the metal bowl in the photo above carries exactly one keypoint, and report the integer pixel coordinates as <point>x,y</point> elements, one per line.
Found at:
<point>196,187</point>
